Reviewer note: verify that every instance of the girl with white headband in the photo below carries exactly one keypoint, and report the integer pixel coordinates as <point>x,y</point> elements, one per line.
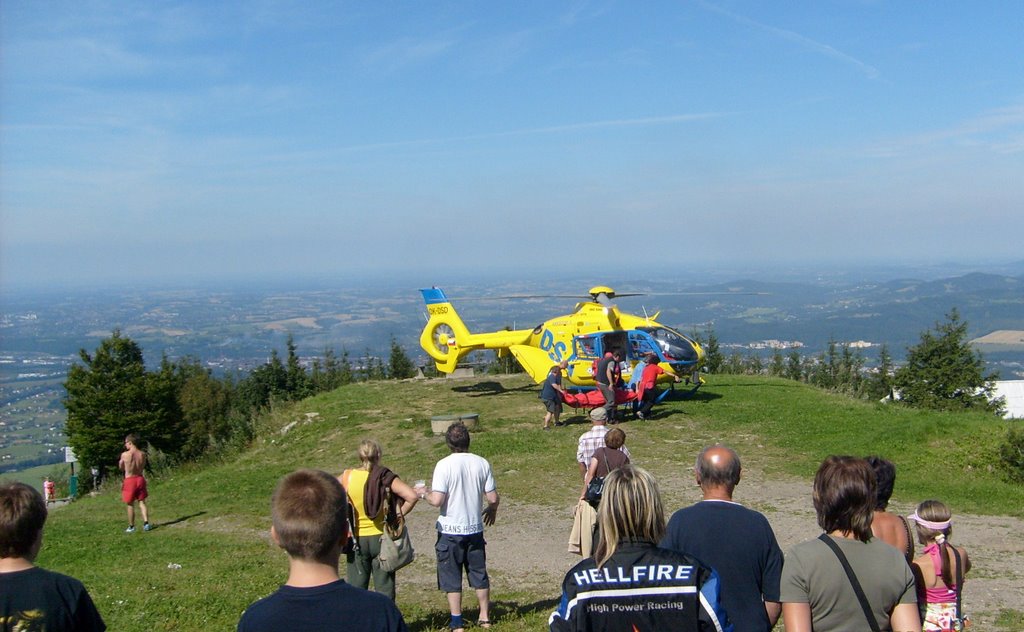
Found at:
<point>936,568</point>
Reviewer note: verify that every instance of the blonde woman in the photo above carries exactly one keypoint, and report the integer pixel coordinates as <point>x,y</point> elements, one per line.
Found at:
<point>936,568</point>
<point>630,583</point>
<point>366,487</point>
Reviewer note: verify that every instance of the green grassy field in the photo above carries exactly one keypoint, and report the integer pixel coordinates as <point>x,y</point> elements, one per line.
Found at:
<point>213,519</point>
<point>34,475</point>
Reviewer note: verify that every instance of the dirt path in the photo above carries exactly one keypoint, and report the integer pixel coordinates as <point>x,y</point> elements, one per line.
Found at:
<point>518,559</point>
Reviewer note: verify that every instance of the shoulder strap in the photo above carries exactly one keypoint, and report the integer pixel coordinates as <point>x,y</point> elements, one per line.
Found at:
<point>910,538</point>
<point>959,580</point>
<point>604,453</point>
<point>350,516</point>
<point>861,597</point>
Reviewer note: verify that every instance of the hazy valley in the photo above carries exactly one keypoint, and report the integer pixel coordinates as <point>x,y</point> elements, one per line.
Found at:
<point>232,330</point>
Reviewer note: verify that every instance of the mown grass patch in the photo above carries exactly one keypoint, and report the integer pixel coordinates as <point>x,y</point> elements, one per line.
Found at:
<point>1010,620</point>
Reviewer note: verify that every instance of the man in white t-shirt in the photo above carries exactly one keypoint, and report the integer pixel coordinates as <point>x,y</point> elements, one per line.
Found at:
<point>461,483</point>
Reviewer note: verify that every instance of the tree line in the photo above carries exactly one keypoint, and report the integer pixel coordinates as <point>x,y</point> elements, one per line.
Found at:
<point>185,412</point>
<point>182,409</point>
<point>941,372</point>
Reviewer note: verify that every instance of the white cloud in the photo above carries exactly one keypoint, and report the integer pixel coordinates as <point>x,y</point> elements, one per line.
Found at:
<point>792,36</point>
<point>998,130</point>
<point>406,52</point>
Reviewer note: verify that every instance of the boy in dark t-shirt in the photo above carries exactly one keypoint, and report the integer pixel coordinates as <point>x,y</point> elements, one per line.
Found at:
<point>308,509</point>
<point>33,598</point>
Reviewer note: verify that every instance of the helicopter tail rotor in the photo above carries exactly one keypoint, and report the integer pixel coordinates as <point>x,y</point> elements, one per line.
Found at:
<point>443,332</point>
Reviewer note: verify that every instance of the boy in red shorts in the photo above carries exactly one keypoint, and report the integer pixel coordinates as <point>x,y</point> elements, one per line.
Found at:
<point>133,462</point>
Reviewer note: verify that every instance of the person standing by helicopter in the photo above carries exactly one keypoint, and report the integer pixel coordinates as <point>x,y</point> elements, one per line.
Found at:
<point>551,394</point>
<point>608,375</point>
<point>647,391</point>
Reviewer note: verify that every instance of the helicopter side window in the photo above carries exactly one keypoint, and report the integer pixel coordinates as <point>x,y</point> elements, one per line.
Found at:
<point>641,345</point>
<point>585,348</point>
<point>674,346</point>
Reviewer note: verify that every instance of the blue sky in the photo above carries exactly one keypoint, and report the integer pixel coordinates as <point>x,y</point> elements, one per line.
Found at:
<point>185,140</point>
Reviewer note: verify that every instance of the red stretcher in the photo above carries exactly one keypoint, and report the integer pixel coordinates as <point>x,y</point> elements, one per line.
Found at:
<point>594,398</point>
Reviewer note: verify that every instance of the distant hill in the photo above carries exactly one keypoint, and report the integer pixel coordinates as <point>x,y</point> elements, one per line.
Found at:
<point>892,312</point>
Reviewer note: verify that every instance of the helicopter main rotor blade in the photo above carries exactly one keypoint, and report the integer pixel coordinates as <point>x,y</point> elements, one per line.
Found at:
<point>726,293</point>
<point>512,297</point>
<point>521,297</point>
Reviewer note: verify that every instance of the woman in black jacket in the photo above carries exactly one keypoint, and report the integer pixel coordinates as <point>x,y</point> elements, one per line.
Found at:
<point>630,583</point>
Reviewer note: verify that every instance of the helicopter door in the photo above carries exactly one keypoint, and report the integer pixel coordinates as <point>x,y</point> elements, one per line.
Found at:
<point>615,340</point>
<point>641,345</point>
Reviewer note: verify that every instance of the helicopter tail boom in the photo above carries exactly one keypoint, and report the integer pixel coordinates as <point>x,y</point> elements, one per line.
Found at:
<point>446,339</point>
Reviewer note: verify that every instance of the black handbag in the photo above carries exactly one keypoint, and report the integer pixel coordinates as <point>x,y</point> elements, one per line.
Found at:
<point>596,487</point>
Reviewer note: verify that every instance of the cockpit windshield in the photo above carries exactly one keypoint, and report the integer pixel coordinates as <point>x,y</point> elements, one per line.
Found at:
<point>674,346</point>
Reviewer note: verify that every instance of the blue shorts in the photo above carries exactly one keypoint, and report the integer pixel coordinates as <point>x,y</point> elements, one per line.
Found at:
<point>458,552</point>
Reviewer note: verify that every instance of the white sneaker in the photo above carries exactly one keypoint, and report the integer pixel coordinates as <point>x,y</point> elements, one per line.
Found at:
<point>130,530</point>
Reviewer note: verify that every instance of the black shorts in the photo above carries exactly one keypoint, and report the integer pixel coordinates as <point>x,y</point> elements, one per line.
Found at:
<point>458,552</point>
<point>553,406</point>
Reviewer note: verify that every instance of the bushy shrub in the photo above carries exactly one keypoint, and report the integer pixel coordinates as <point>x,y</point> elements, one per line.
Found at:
<point>1011,454</point>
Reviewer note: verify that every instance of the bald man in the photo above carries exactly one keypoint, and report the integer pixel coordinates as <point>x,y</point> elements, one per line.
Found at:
<point>735,541</point>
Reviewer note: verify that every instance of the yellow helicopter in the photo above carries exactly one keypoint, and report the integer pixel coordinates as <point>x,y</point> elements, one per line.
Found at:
<point>579,338</point>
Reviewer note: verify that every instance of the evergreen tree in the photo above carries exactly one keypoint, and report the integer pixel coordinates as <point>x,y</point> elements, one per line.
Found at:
<point>266,383</point>
<point>944,372</point>
<point>753,364</point>
<point>378,370</point>
<point>713,358</point>
<point>400,367</point>
<point>734,364</point>
<point>109,395</point>
<point>778,366</point>
<point>880,384</point>
<point>331,372</point>
<point>373,367</point>
<point>831,366</point>
<point>844,370</point>
<point>163,387</point>
<point>794,366</point>
<point>857,382</point>
<point>317,377</point>
<point>345,374</point>
<point>205,404</point>
<point>297,385</point>
<point>848,377</point>
<point>817,373</point>
<point>430,370</point>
